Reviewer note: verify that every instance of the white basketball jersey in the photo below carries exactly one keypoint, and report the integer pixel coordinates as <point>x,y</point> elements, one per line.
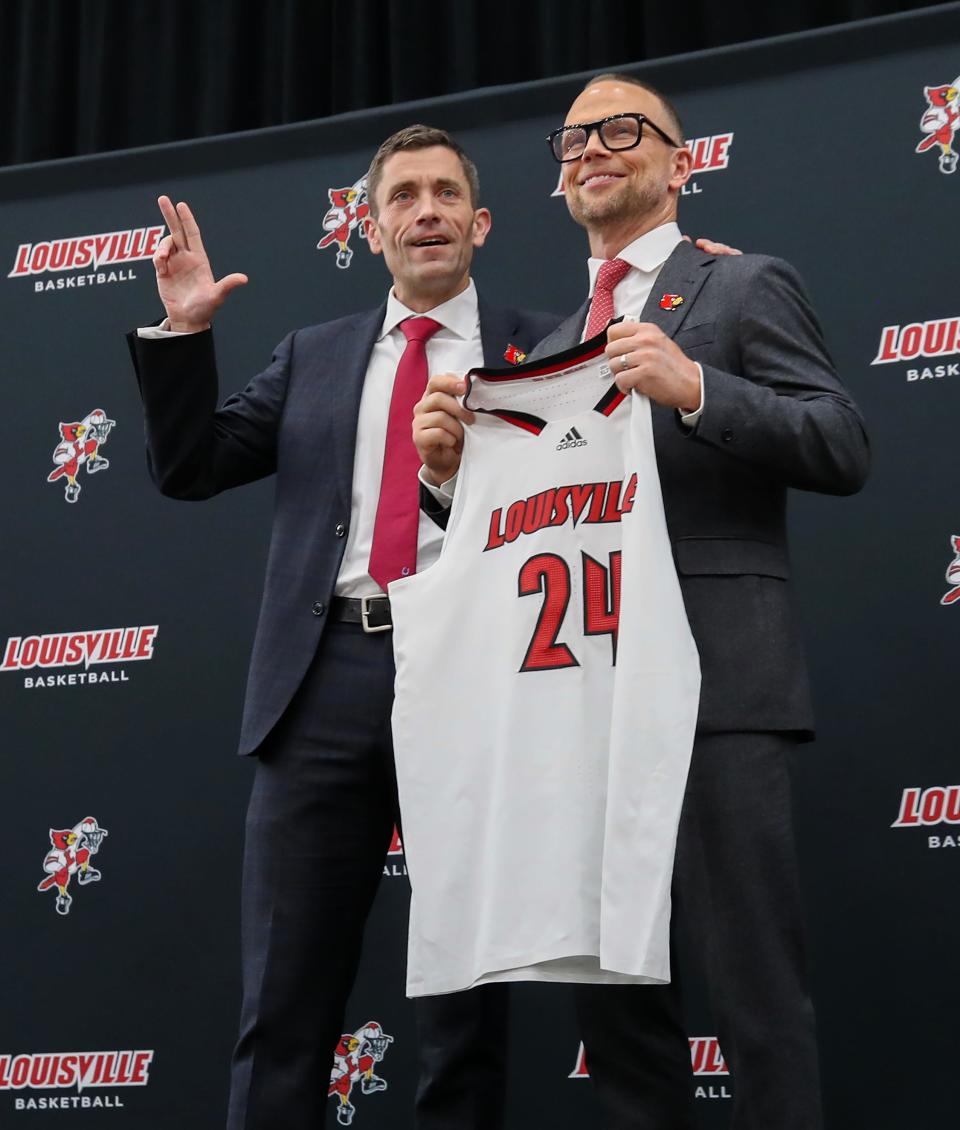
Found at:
<point>546,695</point>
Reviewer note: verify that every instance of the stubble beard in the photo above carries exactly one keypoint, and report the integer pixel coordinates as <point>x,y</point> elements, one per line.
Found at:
<point>630,202</point>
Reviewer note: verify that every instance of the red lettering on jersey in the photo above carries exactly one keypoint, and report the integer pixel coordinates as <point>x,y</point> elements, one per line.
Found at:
<point>549,574</point>
<point>590,503</point>
<point>601,598</point>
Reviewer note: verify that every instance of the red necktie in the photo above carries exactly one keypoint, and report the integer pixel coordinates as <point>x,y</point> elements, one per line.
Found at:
<point>601,308</point>
<point>394,550</point>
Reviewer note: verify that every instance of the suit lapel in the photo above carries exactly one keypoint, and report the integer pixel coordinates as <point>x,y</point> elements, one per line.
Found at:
<point>496,330</point>
<point>565,336</point>
<point>348,364</point>
<point>683,274</point>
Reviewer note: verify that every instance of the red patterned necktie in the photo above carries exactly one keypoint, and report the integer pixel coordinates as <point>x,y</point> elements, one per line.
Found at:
<point>394,550</point>
<point>611,272</point>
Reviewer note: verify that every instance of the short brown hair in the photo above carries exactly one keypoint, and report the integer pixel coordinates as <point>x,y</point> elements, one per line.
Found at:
<point>419,137</point>
<point>672,124</point>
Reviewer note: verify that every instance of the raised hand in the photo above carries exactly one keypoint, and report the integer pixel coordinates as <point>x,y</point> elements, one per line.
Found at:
<point>185,281</point>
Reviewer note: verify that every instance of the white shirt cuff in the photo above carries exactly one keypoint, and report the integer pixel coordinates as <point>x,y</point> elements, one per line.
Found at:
<point>689,419</point>
<point>443,493</point>
<point>155,333</point>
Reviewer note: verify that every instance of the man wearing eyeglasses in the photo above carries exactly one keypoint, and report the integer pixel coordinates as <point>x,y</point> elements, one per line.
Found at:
<point>746,403</point>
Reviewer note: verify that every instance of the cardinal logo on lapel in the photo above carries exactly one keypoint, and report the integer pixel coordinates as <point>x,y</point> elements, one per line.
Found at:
<point>671,301</point>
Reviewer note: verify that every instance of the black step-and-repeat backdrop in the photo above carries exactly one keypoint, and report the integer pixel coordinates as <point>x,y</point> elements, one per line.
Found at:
<point>127,618</point>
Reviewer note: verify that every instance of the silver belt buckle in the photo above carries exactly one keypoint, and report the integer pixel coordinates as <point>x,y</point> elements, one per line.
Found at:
<point>365,616</point>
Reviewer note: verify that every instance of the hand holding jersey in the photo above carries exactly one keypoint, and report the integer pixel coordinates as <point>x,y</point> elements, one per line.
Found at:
<point>438,420</point>
<point>644,358</point>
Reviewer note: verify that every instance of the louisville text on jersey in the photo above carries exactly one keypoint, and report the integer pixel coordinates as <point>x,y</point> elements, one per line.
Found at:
<point>939,804</point>
<point>576,502</point>
<point>73,649</point>
<point>75,1069</point>
<point>705,1058</point>
<point>75,253</point>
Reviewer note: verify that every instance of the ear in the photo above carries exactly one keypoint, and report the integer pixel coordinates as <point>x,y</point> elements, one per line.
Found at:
<point>681,168</point>
<point>482,222</point>
<point>373,235</point>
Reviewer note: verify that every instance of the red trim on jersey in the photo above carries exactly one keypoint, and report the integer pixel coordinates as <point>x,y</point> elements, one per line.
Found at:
<point>524,420</point>
<point>610,401</point>
<point>583,351</point>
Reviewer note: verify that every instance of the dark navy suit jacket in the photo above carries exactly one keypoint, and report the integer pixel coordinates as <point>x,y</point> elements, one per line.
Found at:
<point>297,419</point>
<point>776,416</point>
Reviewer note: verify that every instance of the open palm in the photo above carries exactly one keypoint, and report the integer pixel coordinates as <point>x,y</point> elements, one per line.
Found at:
<point>188,290</point>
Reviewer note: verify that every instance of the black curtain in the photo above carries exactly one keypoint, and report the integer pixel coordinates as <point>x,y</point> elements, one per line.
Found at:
<point>86,76</point>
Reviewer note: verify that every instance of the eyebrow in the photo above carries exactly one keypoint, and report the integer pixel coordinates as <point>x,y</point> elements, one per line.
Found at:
<point>440,182</point>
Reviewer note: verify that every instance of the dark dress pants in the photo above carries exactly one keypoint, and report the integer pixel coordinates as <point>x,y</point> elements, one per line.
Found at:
<point>321,814</point>
<point>737,913</point>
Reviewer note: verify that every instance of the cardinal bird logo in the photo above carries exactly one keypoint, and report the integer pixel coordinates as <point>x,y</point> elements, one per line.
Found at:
<point>71,850</point>
<point>347,211</point>
<point>953,573</point>
<point>357,1056</point>
<point>79,446</point>
<point>940,122</point>
<point>671,301</point>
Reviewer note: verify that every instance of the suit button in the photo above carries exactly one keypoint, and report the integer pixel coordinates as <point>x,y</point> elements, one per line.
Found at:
<point>726,435</point>
<point>318,609</point>
<point>340,530</point>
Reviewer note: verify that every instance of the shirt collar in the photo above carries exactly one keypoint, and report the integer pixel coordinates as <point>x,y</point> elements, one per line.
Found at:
<point>647,253</point>
<point>458,314</point>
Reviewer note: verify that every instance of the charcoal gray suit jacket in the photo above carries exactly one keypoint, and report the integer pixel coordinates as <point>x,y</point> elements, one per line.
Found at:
<point>297,419</point>
<point>775,416</point>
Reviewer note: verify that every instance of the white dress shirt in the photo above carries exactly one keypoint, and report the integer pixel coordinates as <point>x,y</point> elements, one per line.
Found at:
<point>646,256</point>
<point>454,348</point>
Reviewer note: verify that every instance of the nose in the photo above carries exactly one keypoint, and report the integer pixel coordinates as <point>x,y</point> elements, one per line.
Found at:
<point>594,146</point>
<point>426,207</point>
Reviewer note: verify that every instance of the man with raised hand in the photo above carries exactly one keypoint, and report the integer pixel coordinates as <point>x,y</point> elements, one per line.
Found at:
<point>746,403</point>
<point>319,694</point>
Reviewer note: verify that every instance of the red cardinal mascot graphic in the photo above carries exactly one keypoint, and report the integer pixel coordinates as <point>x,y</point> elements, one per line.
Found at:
<point>70,853</point>
<point>354,1059</point>
<point>348,207</point>
<point>79,446</point>
<point>953,573</point>
<point>940,122</point>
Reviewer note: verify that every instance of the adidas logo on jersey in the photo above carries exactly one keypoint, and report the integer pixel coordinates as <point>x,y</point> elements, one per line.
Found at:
<point>572,439</point>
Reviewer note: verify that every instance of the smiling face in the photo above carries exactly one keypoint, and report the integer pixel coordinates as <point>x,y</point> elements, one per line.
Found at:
<point>619,195</point>
<point>426,226</point>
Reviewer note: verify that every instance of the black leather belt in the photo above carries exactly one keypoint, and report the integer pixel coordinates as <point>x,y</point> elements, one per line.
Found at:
<point>372,612</point>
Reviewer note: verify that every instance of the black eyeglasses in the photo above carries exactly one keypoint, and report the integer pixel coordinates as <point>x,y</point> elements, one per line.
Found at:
<point>619,131</point>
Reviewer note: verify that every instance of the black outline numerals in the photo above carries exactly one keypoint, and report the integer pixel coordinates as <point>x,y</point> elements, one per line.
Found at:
<point>601,598</point>
<point>549,574</point>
